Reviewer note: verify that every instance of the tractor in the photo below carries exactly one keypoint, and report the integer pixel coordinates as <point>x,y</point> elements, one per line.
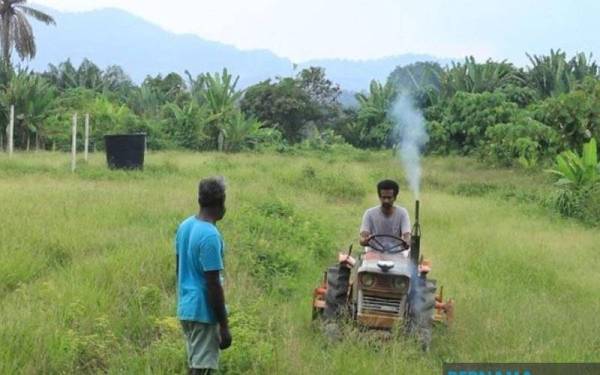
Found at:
<point>386,287</point>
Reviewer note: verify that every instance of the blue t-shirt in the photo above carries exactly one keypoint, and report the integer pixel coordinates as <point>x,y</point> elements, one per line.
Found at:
<point>200,248</point>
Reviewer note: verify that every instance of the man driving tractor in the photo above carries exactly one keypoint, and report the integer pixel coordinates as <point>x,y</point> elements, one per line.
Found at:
<point>386,219</point>
<point>384,287</point>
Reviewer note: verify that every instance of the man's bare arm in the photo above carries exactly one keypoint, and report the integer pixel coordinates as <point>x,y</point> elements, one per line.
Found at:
<point>365,236</point>
<point>217,301</point>
<point>406,237</point>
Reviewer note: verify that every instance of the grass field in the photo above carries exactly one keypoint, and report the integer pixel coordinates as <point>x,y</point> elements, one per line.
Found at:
<point>87,276</point>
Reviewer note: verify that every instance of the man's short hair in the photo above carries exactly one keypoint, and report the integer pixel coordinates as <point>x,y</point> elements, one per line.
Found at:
<point>388,185</point>
<point>211,192</point>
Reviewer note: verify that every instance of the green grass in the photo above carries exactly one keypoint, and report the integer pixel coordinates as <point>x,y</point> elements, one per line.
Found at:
<point>87,266</point>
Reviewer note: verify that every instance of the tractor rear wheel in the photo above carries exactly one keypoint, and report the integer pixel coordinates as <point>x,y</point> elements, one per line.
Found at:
<point>422,305</point>
<point>338,281</point>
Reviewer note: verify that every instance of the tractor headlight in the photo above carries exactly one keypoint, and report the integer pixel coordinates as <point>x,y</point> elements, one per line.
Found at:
<point>400,283</point>
<point>367,279</point>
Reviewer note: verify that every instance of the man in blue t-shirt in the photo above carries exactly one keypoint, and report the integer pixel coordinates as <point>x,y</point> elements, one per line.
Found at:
<point>200,299</point>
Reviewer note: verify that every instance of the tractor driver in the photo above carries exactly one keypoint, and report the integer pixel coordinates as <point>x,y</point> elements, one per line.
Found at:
<point>385,219</point>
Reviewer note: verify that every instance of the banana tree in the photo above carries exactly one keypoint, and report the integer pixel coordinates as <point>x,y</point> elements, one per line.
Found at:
<point>33,98</point>
<point>574,171</point>
<point>474,77</point>
<point>374,125</point>
<point>220,97</point>
<point>186,124</point>
<point>240,132</point>
<point>550,75</point>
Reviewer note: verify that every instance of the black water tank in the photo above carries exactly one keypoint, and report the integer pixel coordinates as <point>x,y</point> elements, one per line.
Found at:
<point>125,151</point>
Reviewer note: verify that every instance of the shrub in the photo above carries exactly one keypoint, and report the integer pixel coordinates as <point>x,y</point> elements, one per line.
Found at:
<point>467,117</point>
<point>521,96</point>
<point>575,116</point>
<point>439,137</point>
<point>577,172</point>
<point>579,182</point>
<point>526,140</point>
<point>590,205</point>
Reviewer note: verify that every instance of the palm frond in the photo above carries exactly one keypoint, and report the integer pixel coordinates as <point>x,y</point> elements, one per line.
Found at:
<point>38,15</point>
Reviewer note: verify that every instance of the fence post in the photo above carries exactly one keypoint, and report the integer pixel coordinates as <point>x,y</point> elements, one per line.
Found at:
<point>11,131</point>
<point>74,143</point>
<point>87,137</point>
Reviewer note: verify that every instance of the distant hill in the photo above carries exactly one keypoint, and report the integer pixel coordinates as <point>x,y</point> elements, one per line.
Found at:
<point>111,36</point>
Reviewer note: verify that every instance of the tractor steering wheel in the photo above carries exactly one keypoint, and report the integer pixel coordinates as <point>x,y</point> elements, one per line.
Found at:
<point>400,246</point>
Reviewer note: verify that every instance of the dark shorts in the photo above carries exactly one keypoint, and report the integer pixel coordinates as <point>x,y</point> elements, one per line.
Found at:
<point>202,344</point>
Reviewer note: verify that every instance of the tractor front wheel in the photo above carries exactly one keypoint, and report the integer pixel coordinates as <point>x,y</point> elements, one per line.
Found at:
<point>422,305</point>
<point>338,281</point>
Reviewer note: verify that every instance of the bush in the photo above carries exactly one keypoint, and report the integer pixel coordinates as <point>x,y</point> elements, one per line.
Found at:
<point>521,96</point>
<point>579,180</point>
<point>466,119</point>
<point>590,205</point>
<point>526,140</point>
<point>575,116</point>
<point>582,204</point>
<point>439,138</point>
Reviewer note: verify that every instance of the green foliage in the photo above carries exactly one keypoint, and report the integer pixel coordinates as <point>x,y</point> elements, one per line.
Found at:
<point>525,140</point>
<point>33,98</point>
<point>171,88</point>
<point>473,77</point>
<point>582,204</point>
<point>466,118</point>
<point>373,127</point>
<point>16,31</point>
<point>575,115</point>
<point>219,98</point>
<point>590,205</point>
<point>297,106</point>
<point>185,125</point>
<point>240,133</point>
<point>420,79</point>
<point>283,105</point>
<point>553,75</point>
<point>322,91</point>
<point>520,95</point>
<point>574,171</point>
<point>549,74</point>
<point>579,183</point>
<point>461,103</point>
<point>439,138</point>
<point>113,81</point>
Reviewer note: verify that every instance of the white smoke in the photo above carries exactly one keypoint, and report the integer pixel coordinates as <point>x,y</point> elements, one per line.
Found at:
<point>411,136</point>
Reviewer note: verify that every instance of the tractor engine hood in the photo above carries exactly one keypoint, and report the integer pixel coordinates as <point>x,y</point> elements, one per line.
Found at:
<point>386,264</point>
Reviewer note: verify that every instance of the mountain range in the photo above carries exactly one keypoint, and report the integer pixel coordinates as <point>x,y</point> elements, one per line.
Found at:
<point>115,37</point>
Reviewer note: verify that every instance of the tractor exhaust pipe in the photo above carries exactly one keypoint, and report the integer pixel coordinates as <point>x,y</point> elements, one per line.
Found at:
<point>415,237</point>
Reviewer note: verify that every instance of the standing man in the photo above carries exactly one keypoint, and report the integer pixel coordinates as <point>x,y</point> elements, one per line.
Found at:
<point>386,218</point>
<point>200,299</point>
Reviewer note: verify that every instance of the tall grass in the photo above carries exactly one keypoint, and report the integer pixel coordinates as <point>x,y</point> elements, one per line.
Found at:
<point>87,278</point>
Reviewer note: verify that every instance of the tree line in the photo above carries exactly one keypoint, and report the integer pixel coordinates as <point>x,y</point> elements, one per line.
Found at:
<point>490,109</point>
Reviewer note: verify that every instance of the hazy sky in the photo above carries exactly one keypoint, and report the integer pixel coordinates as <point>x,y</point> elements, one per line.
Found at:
<point>357,29</point>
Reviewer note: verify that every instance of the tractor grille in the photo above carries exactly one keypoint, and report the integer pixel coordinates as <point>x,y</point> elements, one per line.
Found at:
<point>391,306</point>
